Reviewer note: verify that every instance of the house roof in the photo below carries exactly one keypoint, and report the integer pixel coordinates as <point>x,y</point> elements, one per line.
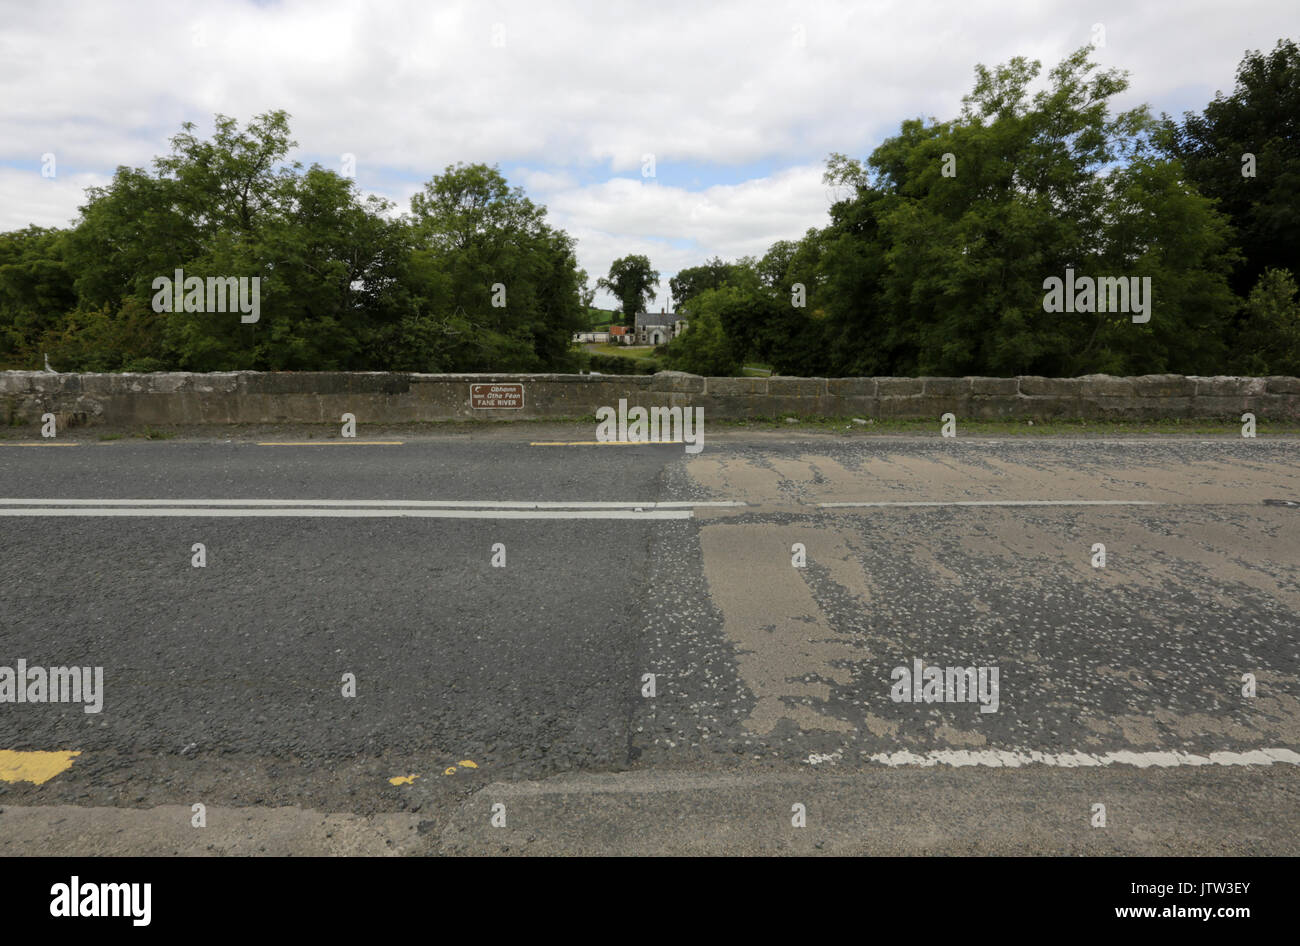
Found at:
<point>656,318</point>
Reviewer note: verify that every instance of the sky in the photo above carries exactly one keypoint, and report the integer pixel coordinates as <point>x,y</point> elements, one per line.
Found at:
<point>677,130</point>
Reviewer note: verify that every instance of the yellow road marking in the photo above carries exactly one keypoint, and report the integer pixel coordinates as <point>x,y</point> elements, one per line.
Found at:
<point>35,767</point>
<point>331,443</point>
<point>403,780</point>
<point>450,770</point>
<point>37,443</point>
<point>597,443</point>
<point>467,764</point>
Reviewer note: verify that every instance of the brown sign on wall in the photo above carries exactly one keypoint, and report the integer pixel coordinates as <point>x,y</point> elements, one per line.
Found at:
<point>496,396</point>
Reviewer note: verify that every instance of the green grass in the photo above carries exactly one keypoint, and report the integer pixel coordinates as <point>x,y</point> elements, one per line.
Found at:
<point>149,433</point>
<point>111,436</point>
<point>622,351</point>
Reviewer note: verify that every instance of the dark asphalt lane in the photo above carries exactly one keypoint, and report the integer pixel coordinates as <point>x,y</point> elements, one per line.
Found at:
<point>420,469</point>
<point>524,665</point>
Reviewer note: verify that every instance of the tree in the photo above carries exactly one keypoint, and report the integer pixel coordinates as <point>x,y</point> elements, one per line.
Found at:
<point>223,191</point>
<point>773,268</point>
<point>480,243</point>
<point>706,348</point>
<point>586,291</point>
<point>472,279</point>
<point>712,274</point>
<point>1260,118</point>
<point>693,280</point>
<point>631,280</point>
<point>1270,342</point>
<point>936,264</point>
<point>36,291</point>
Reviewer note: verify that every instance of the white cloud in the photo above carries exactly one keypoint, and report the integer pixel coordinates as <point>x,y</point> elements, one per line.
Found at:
<point>577,92</point>
<point>626,215</point>
<point>29,198</point>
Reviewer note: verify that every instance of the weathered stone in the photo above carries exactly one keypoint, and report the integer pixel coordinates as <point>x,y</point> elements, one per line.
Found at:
<point>1277,385</point>
<point>1229,387</point>
<point>945,387</point>
<point>1275,406</point>
<point>998,406</point>
<point>898,387</point>
<point>1139,407</point>
<point>1051,387</point>
<point>1213,406</point>
<point>781,405</point>
<point>1105,385</point>
<point>1164,385</point>
<point>396,397</point>
<point>678,382</point>
<point>845,387</point>
<point>1052,407</point>
<point>989,386</point>
<point>860,404</point>
<point>796,387</point>
<point>736,387</point>
<point>923,407</point>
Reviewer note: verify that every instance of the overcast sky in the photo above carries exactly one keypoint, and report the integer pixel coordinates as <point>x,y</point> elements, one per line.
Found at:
<point>739,103</point>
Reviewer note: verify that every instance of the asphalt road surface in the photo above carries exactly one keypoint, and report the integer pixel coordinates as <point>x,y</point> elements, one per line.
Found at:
<point>510,707</point>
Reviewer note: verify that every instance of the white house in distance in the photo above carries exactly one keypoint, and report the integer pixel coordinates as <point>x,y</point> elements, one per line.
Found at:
<point>648,328</point>
<point>657,328</point>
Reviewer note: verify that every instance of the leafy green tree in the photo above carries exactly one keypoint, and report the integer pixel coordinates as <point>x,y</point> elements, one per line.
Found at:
<point>705,348</point>
<point>1270,342</point>
<point>36,292</point>
<point>586,291</point>
<point>345,284</point>
<point>479,243</point>
<point>204,195</point>
<point>103,338</point>
<point>1261,118</point>
<point>937,262</point>
<point>631,280</point>
<point>712,274</point>
<point>775,265</point>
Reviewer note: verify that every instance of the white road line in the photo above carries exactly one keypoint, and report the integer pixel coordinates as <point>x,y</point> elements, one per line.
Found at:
<point>1001,502</point>
<point>369,503</point>
<point>994,758</point>
<point>231,512</point>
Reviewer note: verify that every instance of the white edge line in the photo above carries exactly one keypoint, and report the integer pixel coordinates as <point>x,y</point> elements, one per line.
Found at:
<point>994,758</point>
<point>307,513</point>
<point>368,503</point>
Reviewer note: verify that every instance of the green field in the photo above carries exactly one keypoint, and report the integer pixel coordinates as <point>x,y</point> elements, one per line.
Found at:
<point>623,351</point>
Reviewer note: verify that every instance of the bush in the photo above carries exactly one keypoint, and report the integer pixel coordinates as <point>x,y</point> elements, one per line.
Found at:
<point>1269,342</point>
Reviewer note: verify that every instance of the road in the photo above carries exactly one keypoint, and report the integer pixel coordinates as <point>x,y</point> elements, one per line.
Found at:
<point>525,686</point>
